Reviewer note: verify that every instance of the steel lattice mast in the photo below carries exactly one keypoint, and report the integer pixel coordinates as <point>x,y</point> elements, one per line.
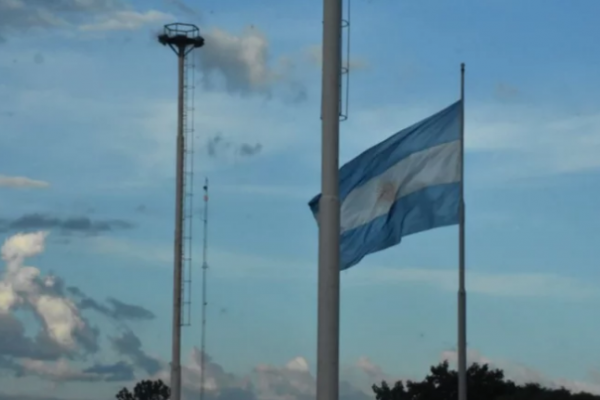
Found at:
<point>182,39</point>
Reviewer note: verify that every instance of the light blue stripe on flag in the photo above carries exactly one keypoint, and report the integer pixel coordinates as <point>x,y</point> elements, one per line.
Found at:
<point>406,184</point>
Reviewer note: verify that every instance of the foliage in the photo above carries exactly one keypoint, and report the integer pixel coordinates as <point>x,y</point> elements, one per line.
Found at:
<point>483,383</point>
<point>146,390</point>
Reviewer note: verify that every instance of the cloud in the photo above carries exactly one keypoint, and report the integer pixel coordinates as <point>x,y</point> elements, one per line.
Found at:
<point>241,63</point>
<point>126,20</point>
<point>522,374</point>
<point>22,286</point>
<point>124,311</point>
<point>64,225</point>
<point>534,141</point>
<point>518,140</point>
<point>293,380</point>
<point>20,16</point>
<point>22,182</point>
<point>12,396</point>
<point>61,371</point>
<point>15,343</point>
<point>116,309</point>
<point>64,334</point>
<point>247,150</point>
<point>117,372</point>
<point>139,134</point>
<point>218,145</point>
<point>130,346</point>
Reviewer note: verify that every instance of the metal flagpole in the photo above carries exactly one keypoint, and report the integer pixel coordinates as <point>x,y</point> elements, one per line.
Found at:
<point>328,329</point>
<point>462,294</point>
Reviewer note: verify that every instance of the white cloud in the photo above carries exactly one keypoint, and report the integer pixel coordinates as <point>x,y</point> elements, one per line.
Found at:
<point>22,284</point>
<point>18,247</point>
<point>364,373</point>
<point>21,182</point>
<point>294,380</point>
<point>242,59</point>
<point>243,63</point>
<point>21,16</point>
<point>126,20</point>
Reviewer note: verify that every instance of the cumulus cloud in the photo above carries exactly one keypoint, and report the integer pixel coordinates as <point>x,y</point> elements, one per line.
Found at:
<point>293,380</point>
<point>64,334</point>
<point>22,182</point>
<point>23,286</point>
<point>242,64</point>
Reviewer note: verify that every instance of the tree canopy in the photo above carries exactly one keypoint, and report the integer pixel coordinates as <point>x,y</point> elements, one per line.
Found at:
<point>146,390</point>
<point>483,383</point>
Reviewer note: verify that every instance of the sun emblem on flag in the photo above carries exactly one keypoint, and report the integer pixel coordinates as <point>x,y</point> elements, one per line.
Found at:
<point>387,193</point>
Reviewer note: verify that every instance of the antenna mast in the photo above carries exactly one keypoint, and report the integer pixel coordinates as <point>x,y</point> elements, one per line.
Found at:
<point>345,71</point>
<point>204,294</point>
<point>182,39</point>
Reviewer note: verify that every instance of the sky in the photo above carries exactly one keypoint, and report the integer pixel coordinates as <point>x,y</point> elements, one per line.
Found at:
<point>87,167</point>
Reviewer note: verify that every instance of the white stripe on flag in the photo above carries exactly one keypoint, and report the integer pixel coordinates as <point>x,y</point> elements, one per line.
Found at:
<point>433,166</point>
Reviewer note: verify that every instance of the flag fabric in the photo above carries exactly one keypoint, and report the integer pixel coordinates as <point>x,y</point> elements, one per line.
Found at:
<point>407,184</point>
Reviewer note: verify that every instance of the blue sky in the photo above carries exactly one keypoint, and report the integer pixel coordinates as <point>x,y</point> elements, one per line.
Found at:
<point>89,106</point>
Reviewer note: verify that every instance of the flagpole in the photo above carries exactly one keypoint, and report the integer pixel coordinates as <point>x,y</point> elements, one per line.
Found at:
<point>328,322</point>
<point>462,294</point>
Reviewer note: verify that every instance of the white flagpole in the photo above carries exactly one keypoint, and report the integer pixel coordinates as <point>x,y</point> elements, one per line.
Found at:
<point>328,329</point>
<point>462,294</point>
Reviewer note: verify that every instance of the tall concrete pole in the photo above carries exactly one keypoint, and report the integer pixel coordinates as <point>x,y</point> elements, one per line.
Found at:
<point>178,245</point>
<point>329,208</point>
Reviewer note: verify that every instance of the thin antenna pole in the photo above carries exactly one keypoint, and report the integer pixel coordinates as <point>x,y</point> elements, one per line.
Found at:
<point>462,293</point>
<point>178,247</point>
<point>328,324</point>
<point>204,294</point>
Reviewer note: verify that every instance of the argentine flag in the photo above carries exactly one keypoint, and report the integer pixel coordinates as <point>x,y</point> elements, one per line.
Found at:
<point>406,184</point>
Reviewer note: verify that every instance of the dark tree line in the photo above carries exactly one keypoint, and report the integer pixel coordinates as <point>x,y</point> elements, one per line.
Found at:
<point>146,390</point>
<point>483,383</point>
